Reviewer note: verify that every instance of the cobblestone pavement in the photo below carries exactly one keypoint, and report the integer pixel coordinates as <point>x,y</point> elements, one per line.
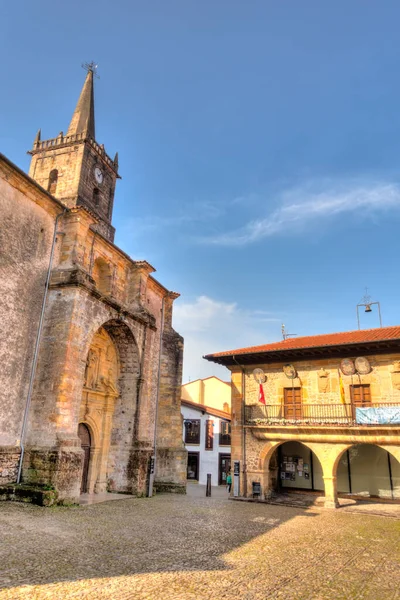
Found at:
<point>192,547</point>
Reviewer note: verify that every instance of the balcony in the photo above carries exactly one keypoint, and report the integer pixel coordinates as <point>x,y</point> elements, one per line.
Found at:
<point>224,439</point>
<point>334,415</point>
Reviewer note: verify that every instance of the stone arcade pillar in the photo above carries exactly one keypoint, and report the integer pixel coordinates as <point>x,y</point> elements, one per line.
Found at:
<point>331,497</point>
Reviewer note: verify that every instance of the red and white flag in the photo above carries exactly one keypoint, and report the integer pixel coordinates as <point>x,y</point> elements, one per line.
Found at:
<point>261,397</point>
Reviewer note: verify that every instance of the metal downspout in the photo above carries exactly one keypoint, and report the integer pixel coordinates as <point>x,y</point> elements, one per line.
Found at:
<point>243,426</point>
<point>153,474</point>
<point>36,351</point>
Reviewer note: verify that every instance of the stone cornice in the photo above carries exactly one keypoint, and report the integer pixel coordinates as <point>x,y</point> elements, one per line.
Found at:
<point>62,278</point>
<point>355,435</point>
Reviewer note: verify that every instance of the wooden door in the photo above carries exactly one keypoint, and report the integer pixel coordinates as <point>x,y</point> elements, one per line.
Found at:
<point>360,397</point>
<point>84,436</point>
<point>292,404</point>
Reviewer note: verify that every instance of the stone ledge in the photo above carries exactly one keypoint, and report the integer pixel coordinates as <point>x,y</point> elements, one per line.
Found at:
<point>28,494</point>
<point>168,487</point>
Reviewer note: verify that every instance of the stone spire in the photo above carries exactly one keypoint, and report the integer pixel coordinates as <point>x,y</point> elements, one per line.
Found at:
<point>83,118</point>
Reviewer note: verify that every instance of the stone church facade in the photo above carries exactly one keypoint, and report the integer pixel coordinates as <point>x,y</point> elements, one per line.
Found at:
<point>91,366</point>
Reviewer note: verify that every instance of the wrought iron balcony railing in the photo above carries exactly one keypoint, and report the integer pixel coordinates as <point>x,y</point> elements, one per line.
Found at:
<point>387,413</point>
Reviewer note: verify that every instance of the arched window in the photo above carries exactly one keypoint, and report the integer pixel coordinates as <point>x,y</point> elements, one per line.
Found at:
<point>53,178</point>
<point>96,198</point>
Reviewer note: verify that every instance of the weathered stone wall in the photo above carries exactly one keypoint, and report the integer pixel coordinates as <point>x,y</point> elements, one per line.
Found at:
<point>26,232</point>
<point>102,204</point>
<point>319,381</point>
<point>169,422</point>
<point>78,305</point>
<point>9,461</point>
<point>68,161</point>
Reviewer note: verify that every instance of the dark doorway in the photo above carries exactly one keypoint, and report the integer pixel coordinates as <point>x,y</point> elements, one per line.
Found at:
<point>84,436</point>
<point>193,466</point>
<point>224,466</point>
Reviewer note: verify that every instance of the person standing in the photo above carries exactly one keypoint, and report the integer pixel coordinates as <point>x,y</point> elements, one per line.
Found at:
<point>229,482</point>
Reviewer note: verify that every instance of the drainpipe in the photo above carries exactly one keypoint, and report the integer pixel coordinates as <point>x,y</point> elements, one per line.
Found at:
<point>243,426</point>
<point>36,351</point>
<point>153,470</point>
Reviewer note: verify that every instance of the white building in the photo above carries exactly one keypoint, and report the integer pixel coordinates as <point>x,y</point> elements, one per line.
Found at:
<point>207,437</point>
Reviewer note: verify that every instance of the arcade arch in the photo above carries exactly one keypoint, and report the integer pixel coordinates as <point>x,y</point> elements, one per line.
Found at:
<point>368,470</point>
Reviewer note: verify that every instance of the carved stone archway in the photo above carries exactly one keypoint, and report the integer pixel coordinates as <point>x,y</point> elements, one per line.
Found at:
<point>99,395</point>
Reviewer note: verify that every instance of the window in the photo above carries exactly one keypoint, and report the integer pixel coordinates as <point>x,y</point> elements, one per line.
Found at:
<point>292,403</point>
<point>209,434</point>
<point>96,198</point>
<point>192,431</point>
<point>225,434</point>
<point>360,394</point>
<point>53,178</point>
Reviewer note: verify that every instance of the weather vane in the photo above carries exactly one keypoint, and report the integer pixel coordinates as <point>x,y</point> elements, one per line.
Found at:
<point>92,67</point>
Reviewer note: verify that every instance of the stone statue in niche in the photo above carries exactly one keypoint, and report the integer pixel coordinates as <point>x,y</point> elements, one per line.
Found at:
<point>92,362</point>
<point>396,375</point>
<point>323,381</point>
<point>109,384</point>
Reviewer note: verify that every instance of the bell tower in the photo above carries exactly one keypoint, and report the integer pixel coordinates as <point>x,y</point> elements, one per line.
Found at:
<point>74,167</point>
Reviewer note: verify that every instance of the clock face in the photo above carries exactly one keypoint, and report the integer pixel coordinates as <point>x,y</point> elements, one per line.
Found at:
<point>98,173</point>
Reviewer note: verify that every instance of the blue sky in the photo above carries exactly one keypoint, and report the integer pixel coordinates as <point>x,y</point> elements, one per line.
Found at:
<point>259,146</point>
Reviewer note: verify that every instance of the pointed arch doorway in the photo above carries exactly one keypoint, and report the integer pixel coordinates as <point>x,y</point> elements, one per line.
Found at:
<point>86,442</point>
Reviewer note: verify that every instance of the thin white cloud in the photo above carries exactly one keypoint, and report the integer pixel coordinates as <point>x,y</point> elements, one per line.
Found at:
<point>198,212</point>
<point>303,206</point>
<point>210,325</point>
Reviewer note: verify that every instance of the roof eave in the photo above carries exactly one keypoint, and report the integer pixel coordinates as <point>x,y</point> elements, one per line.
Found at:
<point>326,351</point>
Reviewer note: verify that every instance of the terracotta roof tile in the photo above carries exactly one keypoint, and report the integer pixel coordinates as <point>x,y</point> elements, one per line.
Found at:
<point>207,409</point>
<point>362,336</point>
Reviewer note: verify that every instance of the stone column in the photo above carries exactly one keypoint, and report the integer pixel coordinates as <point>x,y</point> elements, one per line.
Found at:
<point>237,425</point>
<point>331,498</point>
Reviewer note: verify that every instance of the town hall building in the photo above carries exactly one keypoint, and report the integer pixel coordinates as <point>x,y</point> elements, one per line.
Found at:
<point>91,366</point>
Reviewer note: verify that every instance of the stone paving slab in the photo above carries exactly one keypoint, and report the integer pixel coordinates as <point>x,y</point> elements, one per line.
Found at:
<point>192,547</point>
<point>348,504</point>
